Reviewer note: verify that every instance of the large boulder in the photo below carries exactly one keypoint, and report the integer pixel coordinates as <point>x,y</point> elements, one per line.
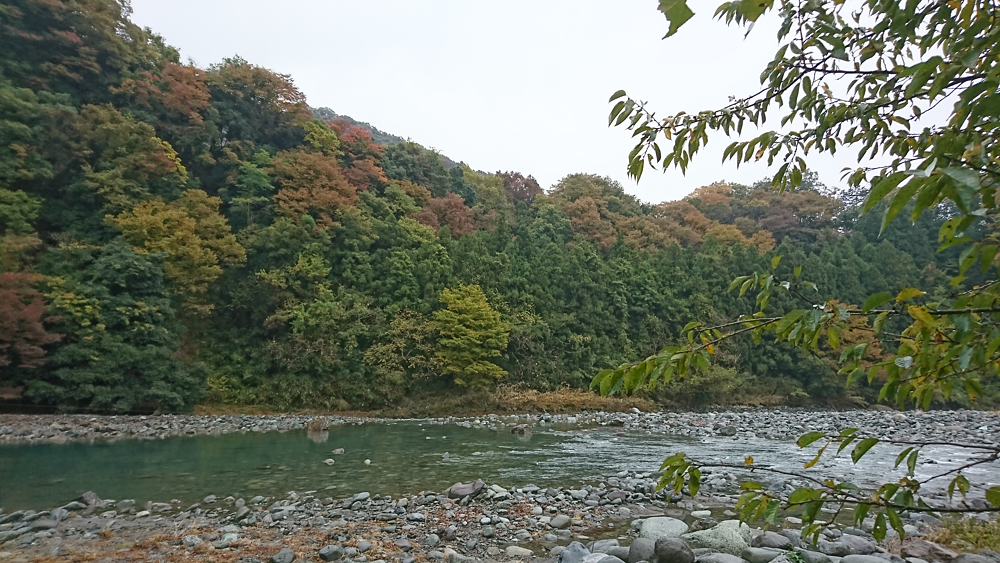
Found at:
<point>970,558</point>
<point>928,551</point>
<point>462,490</point>
<point>671,550</point>
<point>662,527</point>
<point>729,536</point>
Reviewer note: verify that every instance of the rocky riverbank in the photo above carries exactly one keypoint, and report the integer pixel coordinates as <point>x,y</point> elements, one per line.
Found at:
<point>621,519</point>
<point>775,424</point>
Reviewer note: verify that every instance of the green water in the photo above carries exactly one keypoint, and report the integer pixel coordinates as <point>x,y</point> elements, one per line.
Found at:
<point>405,458</point>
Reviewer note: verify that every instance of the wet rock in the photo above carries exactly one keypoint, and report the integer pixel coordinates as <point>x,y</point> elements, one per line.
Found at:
<point>671,550</point>
<point>462,490</point>
<point>727,431</point>
<point>662,527</point>
<point>285,555</point>
<point>771,539</point>
<point>928,551</point>
<point>730,536</point>
<point>332,553</point>
<point>125,505</point>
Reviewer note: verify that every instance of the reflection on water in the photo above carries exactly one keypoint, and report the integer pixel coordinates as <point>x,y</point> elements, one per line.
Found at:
<point>405,457</point>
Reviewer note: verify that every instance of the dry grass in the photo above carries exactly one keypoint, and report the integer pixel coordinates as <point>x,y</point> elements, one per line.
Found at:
<point>967,534</point>
<point>504,398</point>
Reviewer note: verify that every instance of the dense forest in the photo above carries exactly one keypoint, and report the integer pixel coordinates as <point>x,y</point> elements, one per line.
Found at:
<point>174,235</point>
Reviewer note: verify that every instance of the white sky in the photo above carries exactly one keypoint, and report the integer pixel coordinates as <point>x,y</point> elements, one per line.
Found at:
<point>517,85</point>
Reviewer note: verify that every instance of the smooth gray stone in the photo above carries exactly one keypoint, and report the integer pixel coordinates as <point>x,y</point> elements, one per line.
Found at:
<point>760,554</point>
<point>602,546</point>
<point>772,540</point>
<point>559,521</point>
<point>858,545</point>
<point>619,552</point>
<point>861,559</point>
<point>331,553</point>
<point>835,548</point>
<point>814,556</point>
<point>662,527</point>
<point>642,549</point>
<point>720,558</point>
<point>672,550</point>
<point>573,553</point>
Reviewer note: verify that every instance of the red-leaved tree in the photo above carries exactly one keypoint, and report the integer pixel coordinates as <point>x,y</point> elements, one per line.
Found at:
<point>22,321</point>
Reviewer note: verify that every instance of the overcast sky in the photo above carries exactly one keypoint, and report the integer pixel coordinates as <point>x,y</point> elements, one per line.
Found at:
<point>517,85</point>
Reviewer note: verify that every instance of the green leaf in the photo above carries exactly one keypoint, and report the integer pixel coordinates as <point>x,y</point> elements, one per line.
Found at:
<point>862,448</point>
<point>908,293</point>
<point>966,177</point>
<point>802,494</point>
<point>899,201</point>
<point>694,481</point>
<point>881,188</point>
<point>993,496</point>
<point>833,337</point>
<point>677,13</point>
<point>774,262</point>
<point>876,300</point>
<point>806,439</point>
<point>616,95</point>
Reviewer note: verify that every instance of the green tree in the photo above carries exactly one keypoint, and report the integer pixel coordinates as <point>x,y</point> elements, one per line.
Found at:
<point>470,333</point>
<point>121,339</point>
<point>899,60</point>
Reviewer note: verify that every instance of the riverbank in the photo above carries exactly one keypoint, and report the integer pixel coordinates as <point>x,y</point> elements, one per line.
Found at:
<point>622,516</point>
<point>981,427</point>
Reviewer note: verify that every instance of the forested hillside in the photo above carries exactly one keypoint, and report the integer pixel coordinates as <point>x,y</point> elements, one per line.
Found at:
<point>173,234</point>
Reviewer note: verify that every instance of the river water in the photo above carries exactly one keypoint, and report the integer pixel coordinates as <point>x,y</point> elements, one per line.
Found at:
<point>403,457</point>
